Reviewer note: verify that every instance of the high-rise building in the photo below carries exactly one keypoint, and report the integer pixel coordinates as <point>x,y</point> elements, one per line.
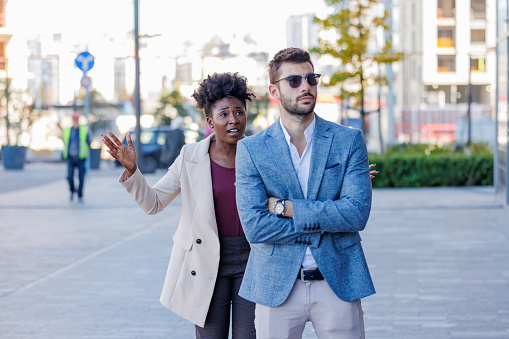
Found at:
<point>45,69</point>
<point>302,31</point>
<point>5,36</point>
<point>448,70</point>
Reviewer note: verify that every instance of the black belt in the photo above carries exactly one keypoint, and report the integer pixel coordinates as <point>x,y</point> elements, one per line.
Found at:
<point>310,275</point>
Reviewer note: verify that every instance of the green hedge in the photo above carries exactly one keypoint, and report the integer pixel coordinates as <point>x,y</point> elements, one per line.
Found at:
<point>416,170</point>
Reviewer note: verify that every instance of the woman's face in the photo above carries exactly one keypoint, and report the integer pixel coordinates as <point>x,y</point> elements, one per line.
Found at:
<point>229,120</point>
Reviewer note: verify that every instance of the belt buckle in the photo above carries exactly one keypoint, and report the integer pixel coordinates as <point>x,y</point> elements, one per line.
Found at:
<point>303,275</point>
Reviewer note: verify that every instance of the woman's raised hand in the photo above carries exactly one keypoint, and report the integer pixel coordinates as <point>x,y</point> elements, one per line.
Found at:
<point>125,155</point>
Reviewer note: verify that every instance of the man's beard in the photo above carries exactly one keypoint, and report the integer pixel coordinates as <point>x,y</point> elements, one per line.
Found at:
<point>295,109</point>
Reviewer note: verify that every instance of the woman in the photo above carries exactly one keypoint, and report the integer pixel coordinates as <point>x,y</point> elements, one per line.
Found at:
<point>210,250</point>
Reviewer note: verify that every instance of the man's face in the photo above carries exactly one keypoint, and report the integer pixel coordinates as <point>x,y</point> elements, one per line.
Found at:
<point>300,100</point>
<point>75,119</point>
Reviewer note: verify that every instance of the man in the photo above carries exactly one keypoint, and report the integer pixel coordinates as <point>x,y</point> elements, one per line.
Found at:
<point>303,195</point>
<point>76,149</point>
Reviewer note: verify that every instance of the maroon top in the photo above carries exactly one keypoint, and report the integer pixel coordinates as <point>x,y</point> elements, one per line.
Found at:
<point>225,206</point>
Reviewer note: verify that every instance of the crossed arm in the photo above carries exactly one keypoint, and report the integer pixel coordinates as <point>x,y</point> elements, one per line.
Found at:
<point>289,204</point>
<point>309,218</point>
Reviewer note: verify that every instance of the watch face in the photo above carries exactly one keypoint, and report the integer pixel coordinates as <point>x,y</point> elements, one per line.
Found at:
<point>279,208</point>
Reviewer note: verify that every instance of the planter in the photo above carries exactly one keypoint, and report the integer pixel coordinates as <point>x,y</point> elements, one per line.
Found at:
<point>14,157</point>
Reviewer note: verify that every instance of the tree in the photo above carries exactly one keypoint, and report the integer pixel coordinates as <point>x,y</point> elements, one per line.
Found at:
<point>98,119</point>
<point>18,112</point>
<point>171,105</point>
<point>355,25</point>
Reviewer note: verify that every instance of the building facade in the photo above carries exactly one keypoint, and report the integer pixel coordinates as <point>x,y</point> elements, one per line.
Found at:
<point>448,70</point>
<point>5,36</point>
<point>502,128</point>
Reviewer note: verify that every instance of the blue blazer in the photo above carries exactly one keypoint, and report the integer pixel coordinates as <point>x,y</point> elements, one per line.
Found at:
<point>328,221</point>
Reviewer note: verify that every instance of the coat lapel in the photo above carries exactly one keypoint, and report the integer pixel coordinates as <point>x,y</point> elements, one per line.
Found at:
<point>282,159</point>
<point>322,141</point>
<point>200,179</point>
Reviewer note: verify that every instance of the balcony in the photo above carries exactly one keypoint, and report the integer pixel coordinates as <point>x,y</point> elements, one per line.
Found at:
<point>445,42</point>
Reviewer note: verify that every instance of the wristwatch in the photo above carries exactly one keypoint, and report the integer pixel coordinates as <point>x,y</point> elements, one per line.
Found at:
<point>279,208</point>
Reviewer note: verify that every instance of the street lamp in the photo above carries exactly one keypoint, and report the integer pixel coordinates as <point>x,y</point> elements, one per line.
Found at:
<point>137,98</point>
<point>137,102</point>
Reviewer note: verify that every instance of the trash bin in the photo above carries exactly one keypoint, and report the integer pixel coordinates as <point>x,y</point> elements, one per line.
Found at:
<point>95,158</point>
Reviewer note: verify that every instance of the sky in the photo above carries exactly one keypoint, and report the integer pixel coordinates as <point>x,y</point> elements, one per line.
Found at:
<point>176,21</point>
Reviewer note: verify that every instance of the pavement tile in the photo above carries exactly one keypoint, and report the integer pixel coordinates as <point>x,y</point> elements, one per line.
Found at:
<point>439,258</point>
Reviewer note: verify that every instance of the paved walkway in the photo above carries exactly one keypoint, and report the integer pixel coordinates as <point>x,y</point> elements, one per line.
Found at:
<point>439,259</point>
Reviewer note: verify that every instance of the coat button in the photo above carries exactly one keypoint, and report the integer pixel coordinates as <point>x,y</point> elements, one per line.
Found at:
<point>193,272</point>
<point>198,241</point>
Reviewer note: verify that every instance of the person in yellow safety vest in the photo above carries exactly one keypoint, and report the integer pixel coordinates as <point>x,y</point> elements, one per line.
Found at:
<point>77,148</point>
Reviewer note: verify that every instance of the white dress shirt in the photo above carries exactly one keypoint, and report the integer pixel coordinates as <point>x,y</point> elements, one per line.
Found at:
<point>302,165</point>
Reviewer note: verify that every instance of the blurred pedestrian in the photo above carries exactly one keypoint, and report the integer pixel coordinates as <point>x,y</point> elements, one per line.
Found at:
<point>210,250</point>
<point>303,195</point>
<point>76,150</point>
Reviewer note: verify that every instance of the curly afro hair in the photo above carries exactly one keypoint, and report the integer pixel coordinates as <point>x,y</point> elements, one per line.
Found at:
<point>218,86</point>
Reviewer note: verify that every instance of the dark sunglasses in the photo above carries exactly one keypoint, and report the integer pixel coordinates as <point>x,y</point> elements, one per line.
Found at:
<point>295,80</point>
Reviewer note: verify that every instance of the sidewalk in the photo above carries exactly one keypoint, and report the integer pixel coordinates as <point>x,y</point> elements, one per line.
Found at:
<point>439,258</point>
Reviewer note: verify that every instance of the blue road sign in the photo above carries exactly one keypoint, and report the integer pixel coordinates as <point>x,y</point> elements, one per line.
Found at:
<point>85,82</point>
<point>84,61</point>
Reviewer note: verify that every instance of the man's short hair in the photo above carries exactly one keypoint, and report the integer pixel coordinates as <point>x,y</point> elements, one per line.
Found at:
<point>291,54</point>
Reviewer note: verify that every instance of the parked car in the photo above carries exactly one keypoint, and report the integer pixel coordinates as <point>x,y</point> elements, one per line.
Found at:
<point>161,145</point>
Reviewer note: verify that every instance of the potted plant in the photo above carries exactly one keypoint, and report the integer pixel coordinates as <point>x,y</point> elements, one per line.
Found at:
<point>18,114</point>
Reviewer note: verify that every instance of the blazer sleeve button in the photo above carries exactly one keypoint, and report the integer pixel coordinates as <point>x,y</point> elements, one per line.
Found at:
<point>198,241</point>
<point>193,273</point>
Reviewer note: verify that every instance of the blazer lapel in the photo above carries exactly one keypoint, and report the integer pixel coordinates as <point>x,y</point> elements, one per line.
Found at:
<point>322,141</point>
<point>280,152</point>
<point>200,179</point>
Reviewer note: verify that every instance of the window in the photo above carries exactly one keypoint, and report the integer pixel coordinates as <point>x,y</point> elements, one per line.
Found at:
<point>478,36</point>
<point>446,37</point>
<point>478,9</point>
<point>2,13</point>
<point>146,137</point>
<point>446,9</point>
<point>161,138</point>
<point>478,65</point>
<point>446,63</point>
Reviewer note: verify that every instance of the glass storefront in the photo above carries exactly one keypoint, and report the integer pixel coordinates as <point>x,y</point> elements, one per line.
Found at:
<point>501,152</point>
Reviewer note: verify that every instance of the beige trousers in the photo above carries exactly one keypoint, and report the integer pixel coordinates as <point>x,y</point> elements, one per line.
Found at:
<point>314,301</point>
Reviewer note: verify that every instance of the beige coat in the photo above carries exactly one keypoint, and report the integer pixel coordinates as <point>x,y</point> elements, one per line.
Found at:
<point>194,261</point>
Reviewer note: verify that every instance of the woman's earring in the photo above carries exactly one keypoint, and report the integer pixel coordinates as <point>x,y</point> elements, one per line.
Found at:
<point>211,126</point>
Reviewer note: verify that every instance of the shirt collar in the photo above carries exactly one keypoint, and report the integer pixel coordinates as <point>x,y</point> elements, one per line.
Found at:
<point>308,133</point>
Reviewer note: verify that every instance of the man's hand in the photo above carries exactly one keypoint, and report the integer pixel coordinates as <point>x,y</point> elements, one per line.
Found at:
<point>289,203</point>
<point>125,155</point>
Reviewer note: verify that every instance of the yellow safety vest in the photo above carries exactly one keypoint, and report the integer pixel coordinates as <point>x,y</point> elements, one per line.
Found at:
<point>83,146</point>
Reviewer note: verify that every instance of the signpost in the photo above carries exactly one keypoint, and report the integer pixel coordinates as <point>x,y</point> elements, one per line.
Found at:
<point>85,61</point>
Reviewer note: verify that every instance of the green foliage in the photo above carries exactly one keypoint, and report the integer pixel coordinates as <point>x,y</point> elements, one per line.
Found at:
<point>354,30</point>
<point>18,112</point>
<point>430,149</point>
<point>98,119</point>
<point>438,169</point>
<point>258,107</point>
<point>171,105</point>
